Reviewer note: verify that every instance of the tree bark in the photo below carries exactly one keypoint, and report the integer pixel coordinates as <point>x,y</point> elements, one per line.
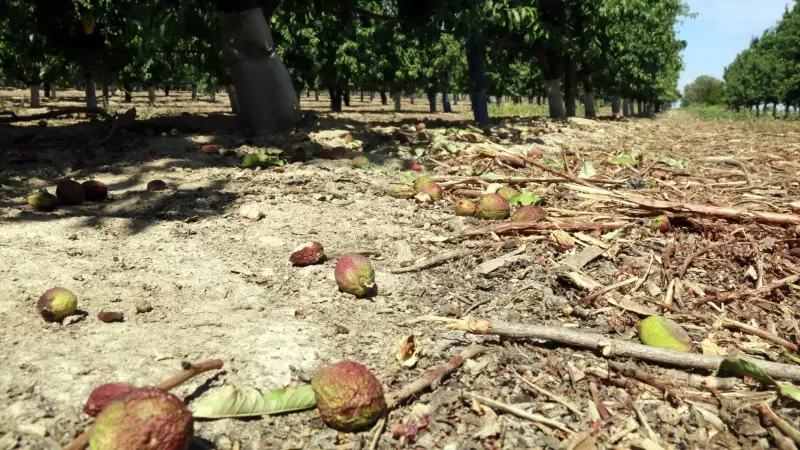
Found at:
<point>151,95</point>
<point>775,110</point>
<point>91,95</point>
<point>336,99</point>
<point>166,90</point>
<point>47,90</point>
<point>588,97</point>
<point>411,98</point>
<point>615,106</point>
<point>398,96</point>
<point>346,98</point>
<point>384,100</point>
<point>639,107</point>
<point>477,81</point>
<point>554,99</point>
<point>53,93</point>
<point>570,87</point>
<point>128,90</point>
<point>35,100</point>
<point>104,84</point>
<point>446,102</point>
<point>234,99</point>
<point>194,93</point>
<point>432,100</point>
<point>758,110</point>
<point>362,96</point>
<point>316,96</point>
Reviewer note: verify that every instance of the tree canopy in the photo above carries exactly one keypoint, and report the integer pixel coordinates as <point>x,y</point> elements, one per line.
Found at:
<point>704,90</point>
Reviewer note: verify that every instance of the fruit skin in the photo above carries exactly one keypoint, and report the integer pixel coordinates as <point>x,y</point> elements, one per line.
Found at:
<point>307,254</point>
<point>101,396</point>
<point>422,181</point>
<point>660,223</point>
<point>420,126</point>
<point>416,167</point>
<point>95,190</point>
<point>507,192</point>
<point>143,419</point>
<point>492,207</point>
<point>433,189</point>
<point>360,161</point>
<point>43,202</point>
<point>661,332</point>
<point>528,214</point>
<point>354,274</point>
<point>70,192</point>
<point>349,397</point>
<point>465,207</point>
<point>57,303</point>
<point>156,185</point>
<point>402,191</point>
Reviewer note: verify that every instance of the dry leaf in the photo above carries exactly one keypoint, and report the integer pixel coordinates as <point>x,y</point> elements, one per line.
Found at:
<point>406,351</point>
<point>710,348</point>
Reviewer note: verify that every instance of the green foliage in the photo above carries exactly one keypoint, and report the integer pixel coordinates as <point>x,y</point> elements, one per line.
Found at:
<point>704,90</point>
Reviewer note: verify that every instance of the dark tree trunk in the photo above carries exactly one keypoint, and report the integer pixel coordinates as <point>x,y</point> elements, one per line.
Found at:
<point>570,88</point>
<point>346,98</point>
<point>432,100</point>
<point>588,98</point>
<point>308,94</point>
<point>166,90</point>
<point>384,100</point>
<point>47,90</point>
<point>775,110</point>
<point>128,89</point>
<point>477,81</point>
<point>336,99</point>
<point>758,110</point>
<point>362,96</point>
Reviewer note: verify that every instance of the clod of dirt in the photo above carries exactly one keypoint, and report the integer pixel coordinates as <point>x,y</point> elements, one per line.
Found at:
<point>416,167</point>
<point>661,224</point>
<point>360,162</point>
<point>95,190</point>
<point>354,274</point>
<point>56,304</point>
<point>43,201</point>
<point>101,396</point>
<point>432,189</point>
<point>156,185</point>
<point>143,419</point>
<point>422,181</point>
<point>70,192</point>
<point>492,207</point>
<point>402,191</point>
<point>528,214</point>
<point>349,397</point>
<point>307,254</point>
<point>211,149</point>
<point>507,192</point>
<point>143,306</point>
<point>465,207</point>
<point>110,316</point>
<point>661,332</point>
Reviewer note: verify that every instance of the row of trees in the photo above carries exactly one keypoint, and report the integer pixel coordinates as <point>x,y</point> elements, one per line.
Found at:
<point>625,51</point>
<point>769,70</point>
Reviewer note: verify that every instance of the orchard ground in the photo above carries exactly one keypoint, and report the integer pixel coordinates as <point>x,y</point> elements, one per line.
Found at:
<point>210,254</point>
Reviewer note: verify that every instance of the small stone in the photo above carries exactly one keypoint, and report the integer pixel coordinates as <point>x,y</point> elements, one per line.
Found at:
<point>110,316</point>
<point>73,319</point>
<point>143,306</point>
<point>251,211</point>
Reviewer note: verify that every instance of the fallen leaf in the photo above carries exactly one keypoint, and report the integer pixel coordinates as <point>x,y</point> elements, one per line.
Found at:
<point>227,402</point>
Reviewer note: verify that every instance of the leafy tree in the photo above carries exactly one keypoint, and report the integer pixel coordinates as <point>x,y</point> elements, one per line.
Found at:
<point>704,90</point>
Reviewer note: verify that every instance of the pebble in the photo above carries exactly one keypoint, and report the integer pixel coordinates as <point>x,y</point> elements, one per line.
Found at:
<point>251,211</point>
<point>143,306</point>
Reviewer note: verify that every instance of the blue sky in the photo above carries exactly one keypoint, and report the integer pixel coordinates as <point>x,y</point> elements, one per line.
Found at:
<point>722,29</point>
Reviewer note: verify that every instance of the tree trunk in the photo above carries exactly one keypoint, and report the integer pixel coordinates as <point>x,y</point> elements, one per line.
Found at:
<point>308,93</point>
<point>91,95</point>
<point>658,107</point>
<point>446,102</point>
<point>53,93</point>
<point>35,101</point>
<point>540,100</point>
<point>758,110</point>
<point>166,90</point>
<point>397,98</point>
<point>775,110</point>
<point>432,100</point>
<point>194,93</point>
<point>639,107</point>
<point>316,95</point>
<point>384,100</point>
<point>626,107</point>
<point>234,99</point>
<point>266,95</point>
<point>650,108</point>
<point>554,98</point>
<point>151,95</point>
<point>128,90</point>
<point>477,79</point>
<point>47,90</point>
<point>455,98</point>
<point>570,87</point>
<point>346,98</point>
<point>615,106</point>
<point>336,99</point>
<point>588,97</point>
<point>362,96</point>
<point>114,89</point>
<point>104,84</point>
<point>371,96</point>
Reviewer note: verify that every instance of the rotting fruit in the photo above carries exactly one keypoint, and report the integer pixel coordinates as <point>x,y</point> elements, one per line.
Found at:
<point>465,207</point>
<point>661,224</point>
<point>70,192</point>
<point>95,190</point>
<point>402,191</point>
<point>422,181</point>
<point>432,189</point>
<point>360,162</point>
<point>43,201</point>
<point>101,396</point>
<point>156,185</point>
<point>307,254</point>
<point>143,419</point>
<point>492,207</point>
<point>349,397</point>
<point>507,192</point>
<point>56,304</point>
<point>528,214</point>
<point>354,274</point>
<point>661,332</point>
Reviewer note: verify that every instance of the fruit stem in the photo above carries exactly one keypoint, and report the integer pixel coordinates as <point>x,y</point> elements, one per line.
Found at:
<point>185,375</point>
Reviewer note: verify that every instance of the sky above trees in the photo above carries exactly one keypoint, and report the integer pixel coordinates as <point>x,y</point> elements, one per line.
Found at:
<point>722,29</point>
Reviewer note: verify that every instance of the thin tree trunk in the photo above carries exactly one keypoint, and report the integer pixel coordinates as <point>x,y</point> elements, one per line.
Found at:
<point>346,98</point>
<point>316,95</point>
<point>775,110</point>
<point>47,90</point>
<point>151,95</point>
<point>53,93</point>
<point>336,99</point>
<point>639,107</point>
<point>194,93</point>
<point>758,110</point>
<point>588,97</point>
<point>627,109</point>
<point>615,106</point>
<point>570,88</point>
<point>384,100</point>
<point>128,90</point>
<point>166,90</point>
<point>398,96</point>
<point>432,100</point>
<point>234,99</point>
<point>477,78</point>
<point>35,100</point>
<point>362,96</point>
<point>554,98</point>
<point>91,95</point>
<point>446,102</point>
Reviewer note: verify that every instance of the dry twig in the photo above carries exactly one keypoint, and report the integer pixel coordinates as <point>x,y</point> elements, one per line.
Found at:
<point>434,261</point>
<point>519,412</point>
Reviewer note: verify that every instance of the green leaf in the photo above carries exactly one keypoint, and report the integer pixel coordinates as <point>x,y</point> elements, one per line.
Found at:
<point>419,151</point>
<point>408,178</point>
<point>525,198</point>
<point>788,390</point>
<point>587,170</point>
<point>623,159</point>
<point>554,163</point>
<point>743,368</point>
<point>674,163</point>
<point>227,402</point>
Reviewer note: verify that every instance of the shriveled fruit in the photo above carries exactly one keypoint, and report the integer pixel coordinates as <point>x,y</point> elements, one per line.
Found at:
<point>661,224</point>
<point>43,201</point>
<point>492,207</point>
<point>420,126</point>
<point>101,396</point>
<point>416,167</point>
<point>95,190</point>
<point>432,189</point>
<point>402,191</point>
<point>143,419</point>
<point>528,214</point>
<point>70,192</point>
<point>465,207</point>
<point>422,181</point>
<point>307,254</point>
<point>507,192</point>
<point>354,274</point>
<point>349,397</point>
<point>156,185</point>
<point>56,304</point>
<point>360,161</point>
<point>661,332</point>
<point>210,149</point>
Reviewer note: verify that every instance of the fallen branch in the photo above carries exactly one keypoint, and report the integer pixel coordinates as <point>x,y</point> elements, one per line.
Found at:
<point>725,297</point>
<point>171,383</point>
<point>516,180</point>
<point>609,347</point>
<point>57,113</point>
<point>786,428</point>
<point>433,377</point>
<point>545,226</point>
<point>732,324</point>
<point>534,163</point>
<point>519,412</point>
<point>731,161</point>
<point>734,214</point>
<point>434,261</point>
<point>605,290</point>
